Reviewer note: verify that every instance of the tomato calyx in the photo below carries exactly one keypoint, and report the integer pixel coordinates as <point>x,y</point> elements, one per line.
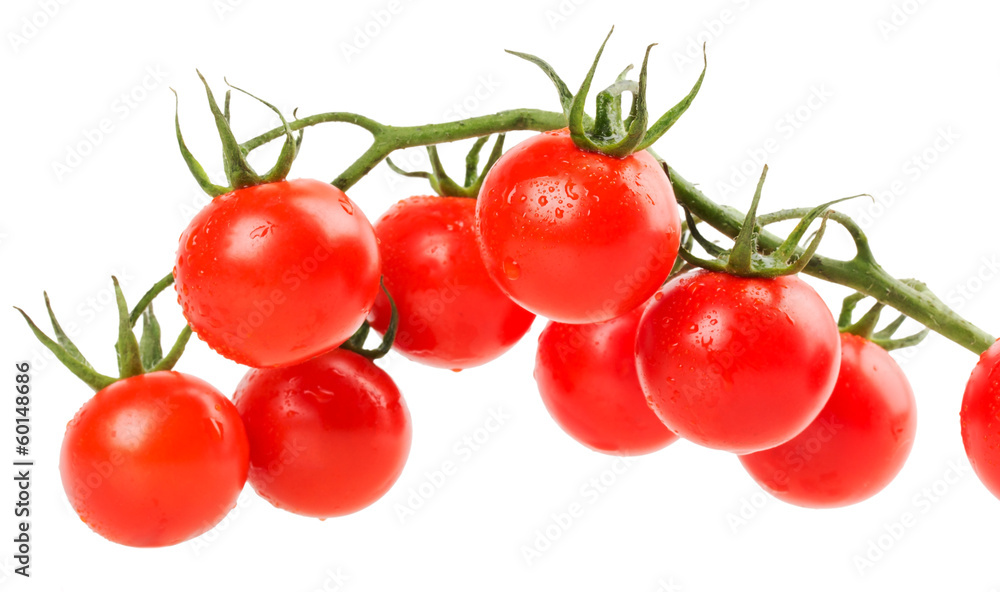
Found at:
<point>866,325</point>
<point>239,173</point>
<point>135,356</point>
<point>746,258</point>
<point>607,132</point>
<point>356,343</point>
<point>444,185</point>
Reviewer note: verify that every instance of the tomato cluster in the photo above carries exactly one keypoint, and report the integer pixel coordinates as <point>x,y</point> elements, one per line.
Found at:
<point>646,343</point>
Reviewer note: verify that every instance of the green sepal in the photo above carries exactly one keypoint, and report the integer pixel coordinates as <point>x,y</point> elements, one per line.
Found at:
<point>608,120</point>
<point>444,185</point>
<point>663,124</point>
<point>865,326</point>
<point>565,95</point>
<point>127,347</point>
<point>606,132</point>
<point>150,348</point>
<point>148,297</point>
<point>472,160</point>
<point>637,120</point>
<point>741,257</point>
<point>61,336</point>
<point>169,360</point>
<point>289,150</point>
<point>577,125</point>
<point>197,171</point>
<point>79,368</point>
<point>745,259</point>
<point>134,356</point>
<point>440,181</point>
<point>239,173</point>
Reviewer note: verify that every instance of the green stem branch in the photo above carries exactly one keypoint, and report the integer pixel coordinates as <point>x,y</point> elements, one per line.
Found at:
<point>861,273</point>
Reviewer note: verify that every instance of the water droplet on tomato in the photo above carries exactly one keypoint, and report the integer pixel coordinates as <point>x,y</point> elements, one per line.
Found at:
<point>511,269</point>
<point>693,328</point>
<point>559,213</point>
<point>347,205</point>
<point>658,296</point>
<point>456,369</point>
<point>542,200</point>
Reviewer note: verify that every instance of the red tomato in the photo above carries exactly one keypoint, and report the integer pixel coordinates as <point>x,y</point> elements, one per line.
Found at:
<point>587,378</point>
<point>154,460</point>
<point>856,445</point>
<point>738,364</point>
<point>275,274</point>
<point>328,437</point>
<point>981,419</point>
<point>575,236</point>
<point>451,314</point>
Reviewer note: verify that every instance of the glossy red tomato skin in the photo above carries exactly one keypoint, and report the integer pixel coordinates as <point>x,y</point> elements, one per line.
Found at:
<point>980,418</point>
<point>575,236</point>
<point>857,444</point>
<point>451,314</point>
<point>275,274</point>
<point>154,460</point>
<point>588,381</point>
<point>737,364</point>
<point>328,437</point>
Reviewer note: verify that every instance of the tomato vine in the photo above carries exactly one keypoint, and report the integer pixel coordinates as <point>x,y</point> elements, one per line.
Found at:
<point>862,273</point>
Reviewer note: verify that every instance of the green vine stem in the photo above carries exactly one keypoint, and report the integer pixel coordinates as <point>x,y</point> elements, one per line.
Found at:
<point>861,273</point>
<point>388,138</point>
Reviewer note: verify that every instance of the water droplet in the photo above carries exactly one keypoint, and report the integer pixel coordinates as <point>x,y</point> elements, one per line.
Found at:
<point>347,205</point>
<point>542,200</point>
<point>511,269</point>
<point>559,213</point>
<point>658,296</point>
<point>693,328</point>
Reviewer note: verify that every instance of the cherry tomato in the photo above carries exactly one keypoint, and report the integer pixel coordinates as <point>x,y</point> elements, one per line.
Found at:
<point>738,364</point>
<point>856,445</point>
<point>575,236</point>
<point>328,437</point>
<point>981,419</point>
<point>587,378</point>
<point>275,274</point>
<point>451,314</point>
<point>154,460</point>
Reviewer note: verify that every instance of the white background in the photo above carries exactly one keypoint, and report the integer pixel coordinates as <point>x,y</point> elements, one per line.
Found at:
<point>682,519</point>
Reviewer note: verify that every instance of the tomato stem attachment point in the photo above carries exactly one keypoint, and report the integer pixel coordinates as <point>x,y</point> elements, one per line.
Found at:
<point>134,356</point>
<point>865,326</point>
<point>444,185</point>
<point>357,341</point>
<point>746,258</point>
